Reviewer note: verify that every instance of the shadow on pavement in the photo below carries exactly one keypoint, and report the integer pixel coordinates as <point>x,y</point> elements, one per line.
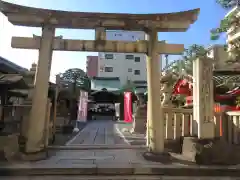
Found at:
<point>62,138</point>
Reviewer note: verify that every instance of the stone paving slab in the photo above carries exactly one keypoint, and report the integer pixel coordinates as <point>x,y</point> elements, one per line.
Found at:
<point>119,169</point>
<point>108,162</point>
<point>98,132</point>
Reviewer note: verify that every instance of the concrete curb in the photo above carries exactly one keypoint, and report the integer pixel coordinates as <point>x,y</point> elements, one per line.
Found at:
<point>105,170</point>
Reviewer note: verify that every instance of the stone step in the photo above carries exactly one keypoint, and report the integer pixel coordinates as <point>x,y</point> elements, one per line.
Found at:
<point>116,170</point>
<point>141,177</point>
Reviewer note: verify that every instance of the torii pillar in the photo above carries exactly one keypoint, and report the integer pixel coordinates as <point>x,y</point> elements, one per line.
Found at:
<point>154,115</point>
<point>40,93</point>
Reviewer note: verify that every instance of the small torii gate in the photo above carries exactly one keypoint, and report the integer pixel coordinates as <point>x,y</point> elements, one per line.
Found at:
<point>49,20</point>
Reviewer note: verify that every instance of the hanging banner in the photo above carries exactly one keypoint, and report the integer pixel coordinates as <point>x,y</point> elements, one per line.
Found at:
<point>127,107</point>
<point>82,106</point>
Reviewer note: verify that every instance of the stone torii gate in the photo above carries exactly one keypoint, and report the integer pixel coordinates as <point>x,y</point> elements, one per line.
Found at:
<point>49,20</point>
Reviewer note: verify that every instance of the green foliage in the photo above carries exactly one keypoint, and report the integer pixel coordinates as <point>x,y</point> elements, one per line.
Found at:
<point>77,78</point>
<point>186,61</point>
<point>226,22</point>
<point>223,27</point>
<point>73,75</point>
<point>194,51</point>
<point>227,4</point>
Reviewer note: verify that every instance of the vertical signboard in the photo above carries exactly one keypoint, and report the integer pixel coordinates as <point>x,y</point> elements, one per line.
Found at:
<point>127,107</point>
<point>82,106</point>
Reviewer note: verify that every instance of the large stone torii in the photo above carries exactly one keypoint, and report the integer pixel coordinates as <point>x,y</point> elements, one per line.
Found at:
<point>49,20</point>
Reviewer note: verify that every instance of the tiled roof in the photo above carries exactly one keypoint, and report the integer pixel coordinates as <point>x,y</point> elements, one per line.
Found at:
<point>13,81</point>
<point>10,78</point>
<point>12,67</point>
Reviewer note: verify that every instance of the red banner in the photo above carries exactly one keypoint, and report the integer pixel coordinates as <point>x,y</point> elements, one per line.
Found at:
<point>128,107</point>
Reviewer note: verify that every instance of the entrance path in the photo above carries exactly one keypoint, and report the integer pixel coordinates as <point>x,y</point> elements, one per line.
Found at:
<point>124,162</point>
<point>99,132</point>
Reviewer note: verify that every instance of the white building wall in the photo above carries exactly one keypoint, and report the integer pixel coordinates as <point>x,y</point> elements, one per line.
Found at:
<point>122,67</point>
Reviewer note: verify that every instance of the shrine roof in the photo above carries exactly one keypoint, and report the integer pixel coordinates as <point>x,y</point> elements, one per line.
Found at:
<point>35,17</point>
<point>7,66</point>
<point>13,81</point>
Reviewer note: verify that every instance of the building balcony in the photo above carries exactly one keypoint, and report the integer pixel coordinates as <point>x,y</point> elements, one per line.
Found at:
<point>234,31</point>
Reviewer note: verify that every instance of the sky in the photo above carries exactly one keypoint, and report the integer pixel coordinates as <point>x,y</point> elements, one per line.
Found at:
<point>199,33</point>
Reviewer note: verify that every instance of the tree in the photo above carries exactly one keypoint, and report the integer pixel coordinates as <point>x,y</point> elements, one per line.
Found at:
<point>194,51</point>
<point>186,61</point>
<point>75,79</point>
<point>227,21</point>
<point>228,4</point>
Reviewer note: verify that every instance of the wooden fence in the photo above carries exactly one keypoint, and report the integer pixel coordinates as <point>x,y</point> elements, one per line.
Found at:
<point>179,122</point>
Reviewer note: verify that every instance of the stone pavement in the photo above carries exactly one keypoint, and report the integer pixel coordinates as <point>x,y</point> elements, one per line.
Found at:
<point>100,133</point>
<point>112,162</point>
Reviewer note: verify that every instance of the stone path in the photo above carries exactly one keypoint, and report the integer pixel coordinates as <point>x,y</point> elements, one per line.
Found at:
<point>132,139</point>
<point>112,162</point>
<point>99,133</point>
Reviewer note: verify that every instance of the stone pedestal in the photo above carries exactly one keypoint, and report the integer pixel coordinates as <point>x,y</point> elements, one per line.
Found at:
<point>214,151</point>
<point>163,157</point>
<point>9,148</point>
<point>37,156</point>
<point>140,120</point>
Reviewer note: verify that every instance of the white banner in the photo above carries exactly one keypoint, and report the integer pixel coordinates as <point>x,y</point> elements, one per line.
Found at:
<point>82,106</point>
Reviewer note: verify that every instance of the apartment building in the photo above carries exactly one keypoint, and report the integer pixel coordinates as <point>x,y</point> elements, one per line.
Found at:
<point>233,36</point>
<point>219,55</point>
<point>92,66</point>
<point>125,66</point>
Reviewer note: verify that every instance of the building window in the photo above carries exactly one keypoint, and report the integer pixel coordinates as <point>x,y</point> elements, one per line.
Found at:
<point>108,69</point>
<point>129,56</point>
<point>137,72</point>
<point>101,68</point>
<point>108,56</point>
<point>137,59</point>
<point>118,34</point>
<point>129,69</point>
